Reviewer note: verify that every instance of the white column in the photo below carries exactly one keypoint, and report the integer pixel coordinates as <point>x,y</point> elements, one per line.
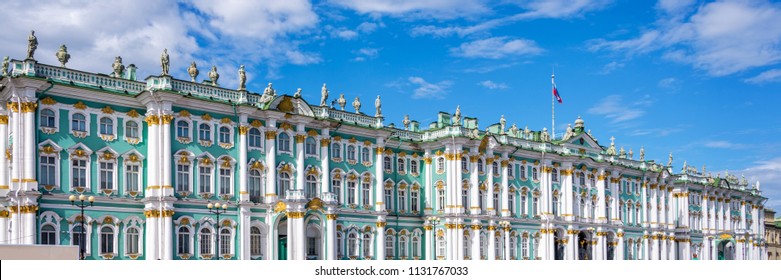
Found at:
<point>489,183</point>
<point>300,168</point>
<point>151,235</point>
<point>296,236</point>
<point>663,204</point>
<point>712,211</point>
<point>379,184</point>
<point>572,244</point>
<point>474,184</point>
<point>644,213</point>
<point>601,244</point>
<point>475,234</point>
<point>29,146</point>
<point>325,181</point>
<point>654,210</point>
<point>153,149</point>
<point>244,235</point>
<point>616,195</point>
<point>430,244</point>
<point>619,250</point>
<point>243,192</point>
<point>460,239</point>
<point>504,200</point>
<point>646,253</point>
<point>743,216</point>
<point>507,255</point>
<point>545,187</point>
<point>165,130</point>
<point>271,162</point>
<point>380,240</point>
<point>491,242</point>
<point>601,185</point>
<point>566,192</point>
<point>4,176</point>
<point>656,246</point>
<point>330,233</point>
<point>168,235</point>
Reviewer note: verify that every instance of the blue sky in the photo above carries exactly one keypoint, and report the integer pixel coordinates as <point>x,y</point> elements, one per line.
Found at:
<point>700,79</point>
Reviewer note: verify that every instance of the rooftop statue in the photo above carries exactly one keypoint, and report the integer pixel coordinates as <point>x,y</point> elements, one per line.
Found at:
<point>4,70</point>
<point>378,106</point>
<point>670,161</point>
<point>193,71</point>
<point>341,101</point>
<point>502,123</point>
<point>164,62</point>
<point>63,56</point>
<point>544,136</point>
<point>569,134</point>
<point>323,96</point>
<point>631,153</point>
<point>406,122</point>
<point>514,130</point>
<point>357,105</point>
<point>118,67</point>
<point>527,133</point>
<point>213,75</point>
<point>298,93</point>
<point>32,44</point>
<point>243,78</point>
<point>457,116</point>
<point>642,153</point>
<point>268,94</point>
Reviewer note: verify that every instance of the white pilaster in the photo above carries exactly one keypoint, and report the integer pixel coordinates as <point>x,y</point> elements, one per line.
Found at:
<point>475,240</point>
<point>330,233</point>
<point>491,242</point>
<point>243,192</point>
<point>271,162</point>
<point>504,199</point>
<point>567,192</point>
<point>325,181</point>
<point>379,184</point>
<point>379,251</point>
<point>244,232</point>
<point>474,184</point>
<point>300,168</point>
<point>601,185</point>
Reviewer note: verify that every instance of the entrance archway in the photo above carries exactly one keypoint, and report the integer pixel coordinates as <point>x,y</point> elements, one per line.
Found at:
<point>313,242</point>
<point>726,250</point>
<point>584,248</point>
<point>559,245</point>
<point>282,238</point>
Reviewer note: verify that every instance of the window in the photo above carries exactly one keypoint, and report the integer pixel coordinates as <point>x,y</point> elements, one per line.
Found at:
<point>523,172</point>
<point>131,129</point>
<point>510,170</point>
<point>225,242</point>
<point>389,199</point>
<point>495,167</point>
<point>467,247</point>
<point>534,173</point>
<point>336,150</point>
<point>535,204</point>
<point>204,132</point>
<point>365,155</point>
<point>254,138</point>
<point>284,142</point>
<point>310,146</point>
<point>441,199</point>
<point>48,235</point>
<point>77,235</point>
<point>400,165</point>
<point>132,173</point>
<point>367,245</point>
<point>402,200</point>
<point>386,164</point>
<point>483,247</point>
<point>255,183</point>
<point>388,247</point>
<point>311,186</point>
<point>524,206</point>
<point>336,187</point>
<point>403,247</point>
<point>496,202</point>
<point>464,164</point>
<point>482,200</point>
<point>525,247</point>
<point>498,248</point>
<point>352,244</point>
<point>205,179</point>
<point>513,247</point>
<point>480,166</point>
<point>255,241</point>
<point>47,118</point>
<point>511,204</point>
<point>183,129</point>
<point>79,173</point>
<point>225,181</point>
<point>351,153</point>
<point>555,205</point>
<point>225,135</point>
<point>183,241</point>
<point>440,165</point>
<point>106,175</point>
<point>206,241</point>
<point>106,126</point>
<point>413,166</point>
<point>339,245</point>
<point>48,171</point>
<point>351,192</point>
<point>555,175</point>
<point>440,247</point>
<point>182,177</point>
<point>366,188</point>
<point>132,238</point>
<point>414,201</point>
<point>465,199</point>
<point>78,123</point>
<point>106,240</point>
<point>582,179</point>
<point>416,247</point>
<point>284,183</point>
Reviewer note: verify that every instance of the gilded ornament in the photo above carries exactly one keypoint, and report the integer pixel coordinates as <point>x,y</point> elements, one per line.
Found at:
<point>107,110</point>
<point>381,224</point>
<point>271,135</point>
<point>206,117</point>
<point>80,105</point>
<point>331,217</point>
<point>243,130</point>
<point>280,207</point>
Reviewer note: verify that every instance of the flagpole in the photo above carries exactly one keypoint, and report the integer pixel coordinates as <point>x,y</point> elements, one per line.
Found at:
<point>553,107</point>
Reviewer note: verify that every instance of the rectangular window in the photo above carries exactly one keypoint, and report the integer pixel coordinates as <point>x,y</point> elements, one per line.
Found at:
<point>106,175</point>
<point>511,204</point>
<point>535,202</point>
<point>351,192</point>
<point>310,245</point>
<point>204,179</point>
<point>225,181</point>
<point>48,171</point>
<point>389,199</point>
<point>496,202</point>
<point>465,199</point>
<point>79,173</point>
<point>336,187</point>
<point>366,188</point>
<point>402,200</point>
<point>523,205</point>
<point>414,201</point>
<point>182,178</point>
<point>441,200</point>
<point>131,178</point>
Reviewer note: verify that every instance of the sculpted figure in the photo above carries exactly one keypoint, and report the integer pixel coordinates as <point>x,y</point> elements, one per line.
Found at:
<point>341,101</point>
<point>243,78</point>
<point>514,130</point>
<point>164,62</point>
<point>298,93</point>
<point>213,75</point>
<point>378,106</point>
<point>502,123</point>
<point>357,105</point>
<point>457,115</point>
<point>118,67</point>
<point>63,56</point>
<point>406,122</point>
<point>193,71</point>
<point>4,70</point>
<point>32,44</point>
<point>323,96</point>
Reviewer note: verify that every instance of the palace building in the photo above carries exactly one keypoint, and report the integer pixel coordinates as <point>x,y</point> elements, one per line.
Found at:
<point>305,180</point>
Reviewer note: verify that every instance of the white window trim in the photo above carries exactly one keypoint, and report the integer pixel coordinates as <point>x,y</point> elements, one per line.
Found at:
<point>107,137</point>
<point>50,218</point>
<point>231,244</point>
<point>262,140</point>
<point>212,133</point>
<point>56,110</point>
<point>137,223</point>
<point>229,144</point>
<point>356,153</point>
<point>367,161</point>
<point>190,235</point>
<point>212,242</point>
<point>189,138</point>
<point>316,155</point>
<point>341,156</point>
<point>291,143</point>
<point>114,174</point>
<point>87,158</point>
<point>57,158</point>
<point>197,189</point>
<point>140,163</point>
<point>115,236</point>
<point>226,163</point>
<point>189,163</point>
<point>80,134</point>
<point>87,232</point>
<point>263,240</point>
<point>131,140</point>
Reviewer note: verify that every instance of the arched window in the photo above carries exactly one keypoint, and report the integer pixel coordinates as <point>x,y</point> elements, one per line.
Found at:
<point>413,166</point>
<point>510,170</point>
<point>365,157</point>
<point>311,186</point>
<point>225,242</point>
<point>403,247</point>
<point>554,175</point>
<point>523,172</point>
<point>339,245</point>
<point>525,247</point>
<point>284,183</point>
<point>483,247</point>
<point>336,188</point>
<point>225,135</point>
<point>106,126</point>
<point>204,132</point>
<point>534,173</point>
<point>183,129</point>
<point>256,241</point>
<point>467,247</point>
<point>400,164</point>
<point>465,164</point>
<point>389,247</point>
<point>367,245</point>
<point>352,245</point>
<point>555,204</point>
<point>78,122</point>
<point>131,129</point>
<point>480,166</point>
<point>495,167</point>
<point>440,165</point>
<point>415,247</point>
<point>440,247</point>
<point>206,241</point>
<point>465,199</point>
<point>351,152</point>
<point>386,164</point>
<point>48,235</point>
<point>47,118</point>
<point>336,150</point>
<point>255,184</point>
<point>513,247</point>
<point>132,238</point>
<point>511,203</point>
<point>284,142</point>
<point>310,146</point>
<point>498,252</point>
<point>106,240</point>
<point>183,241</point>
<point>482,200</point>
<point>254,138</point>
<point>78,235</point>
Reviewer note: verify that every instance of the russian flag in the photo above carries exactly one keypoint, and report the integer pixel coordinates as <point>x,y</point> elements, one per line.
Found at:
<point>556,94</point>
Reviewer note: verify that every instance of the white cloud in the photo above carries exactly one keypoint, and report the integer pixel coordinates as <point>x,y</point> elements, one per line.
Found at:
<point>617,111</point>
<point>263,20</point>
<point>722,144</point>
<point>496,47</point>
<point>674,6</point>
<point>768,76</point>
<point>426,90</point>
<point>367,27</point>
<point>439,9</point>
<point>492,85</point>
<point>669,83</point>
<point>365,54</point>
<point>768,173</point>
<point>721,38</point>
<point>612,66</point>
<point>343,33</point>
